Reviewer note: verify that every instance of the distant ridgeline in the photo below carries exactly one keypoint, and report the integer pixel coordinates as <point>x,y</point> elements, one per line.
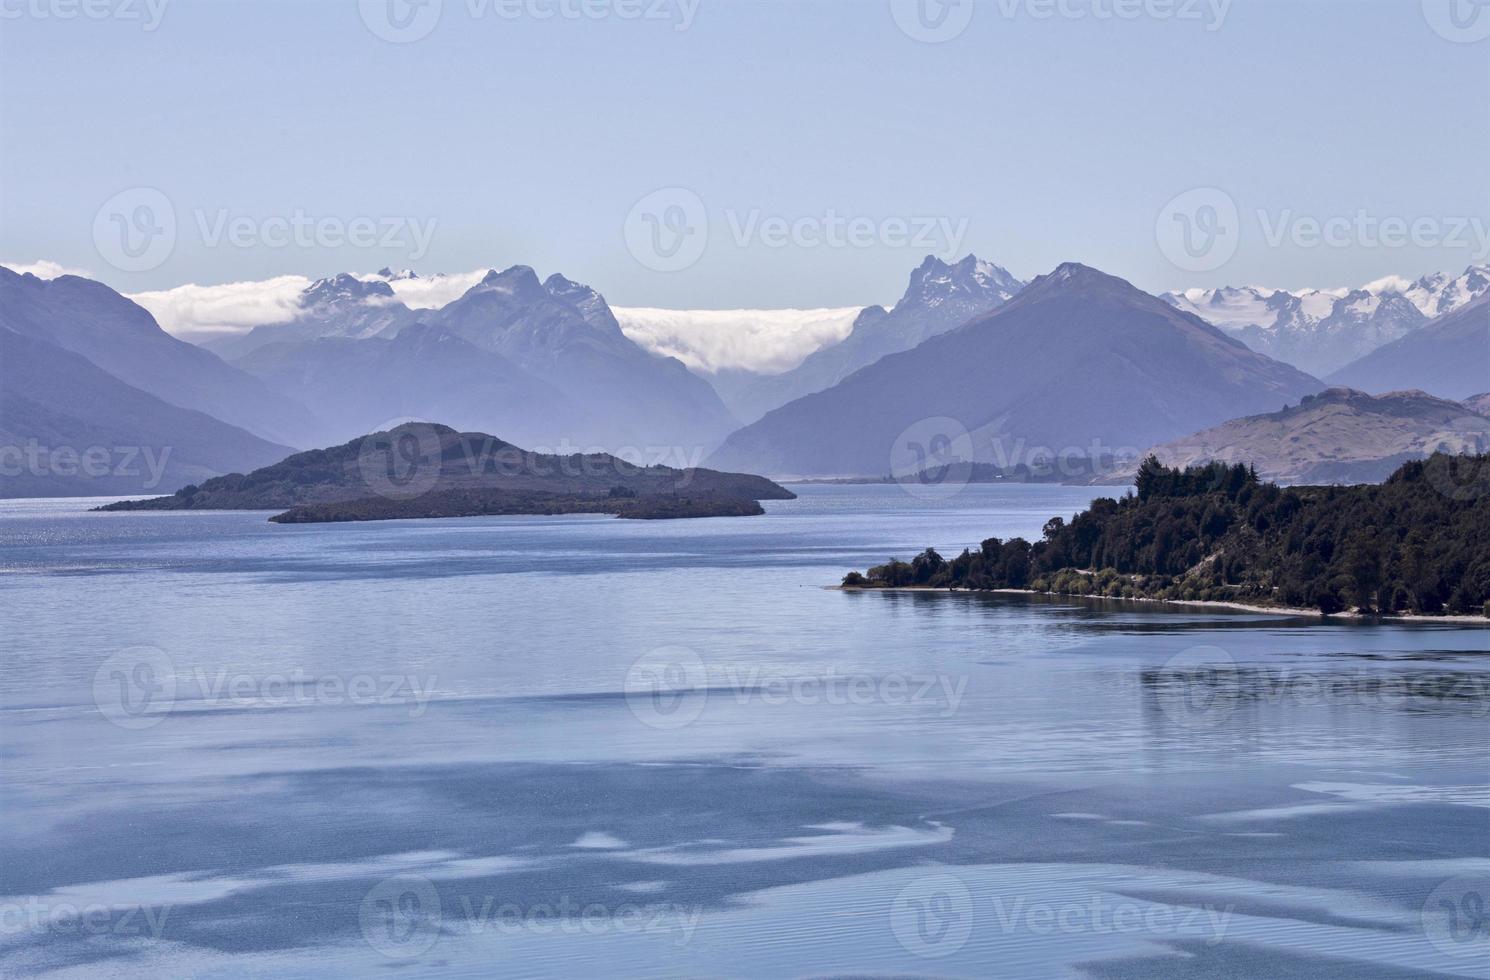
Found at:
<point>1418,543</point>
<point>1041,468</point>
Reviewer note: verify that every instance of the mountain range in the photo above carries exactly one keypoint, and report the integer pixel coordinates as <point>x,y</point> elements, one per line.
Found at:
<point>1077,359</point>
<point>1321,331</point>
<point>544,362</point>
<point>339,306</point>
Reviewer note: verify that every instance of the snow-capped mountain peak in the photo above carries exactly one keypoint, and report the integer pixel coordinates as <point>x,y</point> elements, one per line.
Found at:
<point>970,279</point>
<point>344,288</point>
<point>1321,330</point>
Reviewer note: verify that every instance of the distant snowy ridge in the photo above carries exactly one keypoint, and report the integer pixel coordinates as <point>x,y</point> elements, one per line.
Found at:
<point>1322,330</point>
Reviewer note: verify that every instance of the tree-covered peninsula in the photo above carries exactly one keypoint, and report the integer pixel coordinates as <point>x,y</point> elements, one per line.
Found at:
<point>1418,543</point>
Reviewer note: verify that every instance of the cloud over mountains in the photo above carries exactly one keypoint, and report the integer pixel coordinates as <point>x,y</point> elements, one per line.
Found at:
<point>708,341</point>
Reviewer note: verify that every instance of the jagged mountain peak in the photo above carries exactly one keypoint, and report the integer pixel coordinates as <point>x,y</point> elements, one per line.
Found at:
<point>935,281</point>
<point>517,281</point>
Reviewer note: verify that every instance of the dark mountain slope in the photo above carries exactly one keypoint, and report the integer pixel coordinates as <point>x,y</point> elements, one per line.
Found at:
<point>355,386</point>
<point>59,402</point>
<point>123,339</point>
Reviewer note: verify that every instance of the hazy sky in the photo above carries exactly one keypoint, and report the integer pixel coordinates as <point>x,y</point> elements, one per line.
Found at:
<point>806,153</point>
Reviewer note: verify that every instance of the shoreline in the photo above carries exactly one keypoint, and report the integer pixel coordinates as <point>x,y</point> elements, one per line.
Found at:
<point>1291,612</point>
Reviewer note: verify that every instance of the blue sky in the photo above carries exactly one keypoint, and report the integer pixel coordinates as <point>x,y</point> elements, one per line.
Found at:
<point>522,138</point>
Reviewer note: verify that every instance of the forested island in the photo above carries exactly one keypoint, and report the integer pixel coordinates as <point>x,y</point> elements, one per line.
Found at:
<point>1417,544</point>
<point>421,470</point>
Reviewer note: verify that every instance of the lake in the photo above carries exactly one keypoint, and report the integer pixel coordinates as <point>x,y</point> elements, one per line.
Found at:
<point>579,746</point>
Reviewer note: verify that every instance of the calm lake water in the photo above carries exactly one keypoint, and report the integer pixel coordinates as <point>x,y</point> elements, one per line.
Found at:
<point>588,747</point>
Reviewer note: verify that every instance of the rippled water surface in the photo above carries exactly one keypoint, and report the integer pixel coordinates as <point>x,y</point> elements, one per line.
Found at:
<point>581,747</point>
